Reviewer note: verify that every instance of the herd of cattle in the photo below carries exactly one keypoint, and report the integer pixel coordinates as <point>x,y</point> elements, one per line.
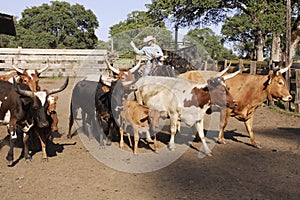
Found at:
<point>124,102</point>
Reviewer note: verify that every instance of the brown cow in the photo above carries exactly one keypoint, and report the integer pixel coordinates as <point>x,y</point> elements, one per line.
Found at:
<point>249,91</point>
<point>51,111</point>
<point>139,117</point>
<point>25,76</point>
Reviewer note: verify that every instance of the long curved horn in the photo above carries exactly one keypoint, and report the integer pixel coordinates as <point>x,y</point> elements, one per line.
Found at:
<point>286,68</point>
<point>56,90</point>
<point>111,67</point>
<point>26,93</point>
<point>132,70</point>
<point>18,69</point>
<point>43,69</point>
<point>106,80</point>
<point>222,72</point>
<point>228,76</point>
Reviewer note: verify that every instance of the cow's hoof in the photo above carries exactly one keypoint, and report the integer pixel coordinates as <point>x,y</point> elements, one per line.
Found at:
<point>149,140</point>
<point>69,136</point>
<point>108,143</point>
<point>102,147</point>
<point>221,141</point>
<point>257,145</point>
<point>45,160</point>
<point>28,158</point>
<point>172,147</point>
<point>9,163</point>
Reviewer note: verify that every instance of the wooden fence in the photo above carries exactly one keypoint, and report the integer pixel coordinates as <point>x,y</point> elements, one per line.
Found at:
<point>63,62</point>
<point>71,62</point>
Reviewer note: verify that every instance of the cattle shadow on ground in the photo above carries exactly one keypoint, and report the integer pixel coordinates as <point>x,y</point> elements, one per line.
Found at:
<point>34,145</point>
<point>233,136</point>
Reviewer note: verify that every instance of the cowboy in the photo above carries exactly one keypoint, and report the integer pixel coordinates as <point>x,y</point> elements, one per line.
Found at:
<point>151,50</point>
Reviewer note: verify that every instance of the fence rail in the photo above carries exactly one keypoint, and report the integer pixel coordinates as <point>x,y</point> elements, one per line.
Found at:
<point>63,62</point>
<point>78,62</point>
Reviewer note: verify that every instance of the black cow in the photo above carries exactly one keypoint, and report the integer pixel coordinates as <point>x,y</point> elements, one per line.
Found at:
<point>20,106</point>
<point>107,102</point>
<point>83,97</point>
<point>44,132</point>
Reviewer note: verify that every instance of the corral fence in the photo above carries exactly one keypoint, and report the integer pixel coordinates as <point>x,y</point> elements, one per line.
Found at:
<point>79,62</point>
<point>62,62</point>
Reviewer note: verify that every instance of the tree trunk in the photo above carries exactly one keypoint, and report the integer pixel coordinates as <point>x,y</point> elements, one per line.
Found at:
<point>276,50</point>
<point>294,45</point>
<point>259,52</point>
<point>259,47</point>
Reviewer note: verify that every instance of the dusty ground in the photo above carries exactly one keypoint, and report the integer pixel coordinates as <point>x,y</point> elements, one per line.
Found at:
<point>235,171</point>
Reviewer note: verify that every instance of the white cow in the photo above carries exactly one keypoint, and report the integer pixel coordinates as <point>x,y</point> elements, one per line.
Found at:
<point>184,100</point>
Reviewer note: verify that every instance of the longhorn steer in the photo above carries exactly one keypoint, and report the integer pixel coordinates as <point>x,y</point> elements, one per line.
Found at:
<point>44,132</point>
<point>20,106</point>
<point>249,91</point>
<point>184,100</point>
<point>25,76</point>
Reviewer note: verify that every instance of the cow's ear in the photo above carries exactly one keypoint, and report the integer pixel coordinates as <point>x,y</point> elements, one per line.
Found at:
<point>271,76</point>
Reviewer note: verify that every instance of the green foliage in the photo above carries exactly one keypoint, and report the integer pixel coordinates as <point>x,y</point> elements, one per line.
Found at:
<point>58,25</point>
<point>212,43</point>
<point>135,20</point>
<point>137,26</point>
<point>255,23</point>
<point>121,41</point>
<point>187,12</point>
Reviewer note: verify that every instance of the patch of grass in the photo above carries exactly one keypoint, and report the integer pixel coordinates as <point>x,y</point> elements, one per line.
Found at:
<point>282,111</point>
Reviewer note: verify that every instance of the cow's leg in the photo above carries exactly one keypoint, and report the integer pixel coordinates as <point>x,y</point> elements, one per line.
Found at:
<point>155,143</point>
<point>26,149</point>
<point>13,136</point>
<point>199,127</point>
<point>71,122</point>
<point>224,115</point>
<point>43,141</point>
<point>173,129</point>
<point>148,137</point>
<point>121,137</point>
<point>136,139</point>
<point>249,127</point>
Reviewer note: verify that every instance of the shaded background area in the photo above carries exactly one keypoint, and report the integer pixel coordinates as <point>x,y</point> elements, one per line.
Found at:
<point>235,171</point>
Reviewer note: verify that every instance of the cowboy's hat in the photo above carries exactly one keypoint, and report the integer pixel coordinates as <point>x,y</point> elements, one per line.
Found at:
<point>148,38</point>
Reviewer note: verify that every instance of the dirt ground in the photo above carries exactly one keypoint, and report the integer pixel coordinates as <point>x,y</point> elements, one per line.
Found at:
<point>236,170</point>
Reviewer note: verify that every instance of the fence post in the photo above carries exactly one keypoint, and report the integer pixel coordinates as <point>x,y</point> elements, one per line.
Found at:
<point>252,67</point>
<point>297,95</point>
<point>215,65</point>
<point>225,64</point>
<point>241,65</point>
<point>205,65</point>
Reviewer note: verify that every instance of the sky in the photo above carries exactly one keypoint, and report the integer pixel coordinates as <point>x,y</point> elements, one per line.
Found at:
<point>108,12</point>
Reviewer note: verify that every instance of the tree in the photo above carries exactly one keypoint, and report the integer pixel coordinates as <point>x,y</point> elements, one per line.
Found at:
<point>58,25</point>
<point>212,43</point>
<point>266,18</point>
<point>137,26</point>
